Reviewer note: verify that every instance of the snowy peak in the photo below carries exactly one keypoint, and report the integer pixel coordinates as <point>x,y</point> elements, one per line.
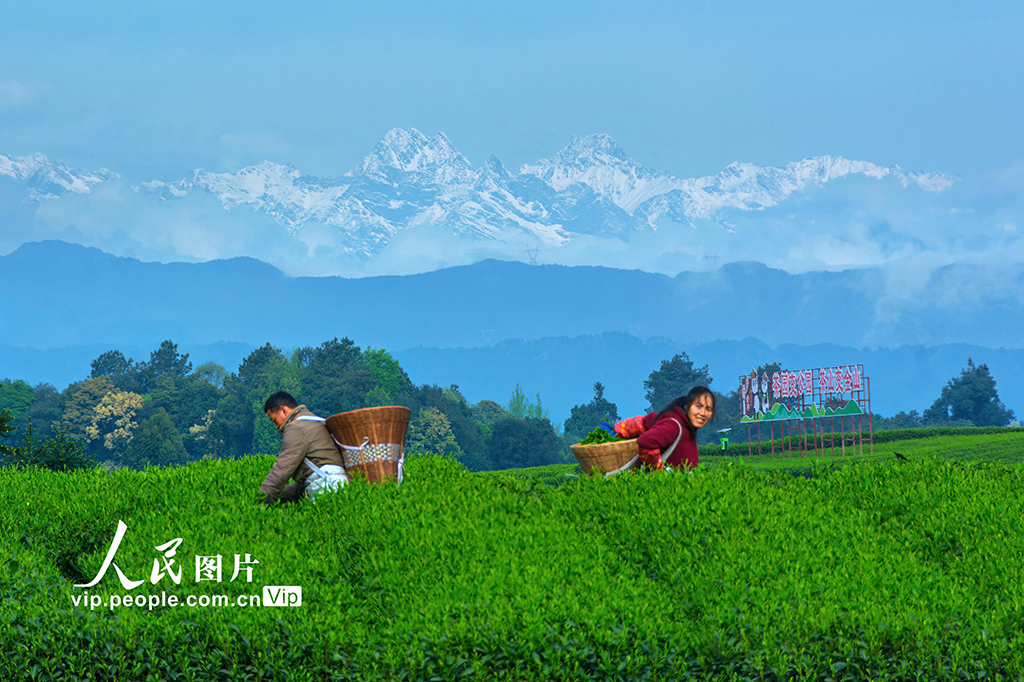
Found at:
<point>496,168</point>
<point>747,186</point>
<point>249,183</point>
<point>590,187</point>
<point>598,162</point>
<point>411,152</point>
<point>600,149</point>
<point>246,186</point>
<point>47,179</point>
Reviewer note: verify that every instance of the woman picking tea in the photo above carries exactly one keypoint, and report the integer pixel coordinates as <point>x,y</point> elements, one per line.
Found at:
<point>669,437</point>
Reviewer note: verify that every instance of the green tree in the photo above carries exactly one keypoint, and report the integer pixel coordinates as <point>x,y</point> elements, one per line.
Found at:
<point>517,443</point>
<point>211,373</point>
<point>336,378</point>
<point>517,403</point>
<point>900,420</point>
<point>126,374</point>
<point>60,452</point>
<point>770,369</point>
<point>466,429</point>
<point>163,395</point>
<point>488,412</point>
<point>196,397</point>
<point>78,410</point>
<point>257,367</point>
<point>266,439</point>
<point>46,408</point>
<point>970,397</point>
<point>205,439</point>
<point>520,407</point>
<point>111,364</point>
<point>431,432</point>
<point>391,378</point>
<point>584,418</point>
<point>6,429</point>
<point>674,378</point>
<point>233,424</point>
<point>156,442</point>
<point>454,394</point>
<point>166,361</point>
<point>377,397</point>
<point>261,374</point>
<point>16,396</point>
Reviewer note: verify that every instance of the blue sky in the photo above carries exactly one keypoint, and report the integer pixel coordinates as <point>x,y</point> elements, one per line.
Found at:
<point>155,90</point>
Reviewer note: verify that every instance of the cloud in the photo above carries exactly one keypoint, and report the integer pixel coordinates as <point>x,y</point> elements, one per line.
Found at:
<point>848,223</point>
<point>963,243</point>
<point>118,220</point>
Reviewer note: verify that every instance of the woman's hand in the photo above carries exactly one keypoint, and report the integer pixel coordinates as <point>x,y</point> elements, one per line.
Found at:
<point>630,428</point>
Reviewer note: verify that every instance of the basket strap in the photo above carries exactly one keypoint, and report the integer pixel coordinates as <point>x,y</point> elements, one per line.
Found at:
<point>366,439</point>
<point>665,455</point>
<point>316,470</point>
<point>622,468</point>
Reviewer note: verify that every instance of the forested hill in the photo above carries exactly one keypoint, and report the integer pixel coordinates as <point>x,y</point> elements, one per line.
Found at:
<point>60,295</point>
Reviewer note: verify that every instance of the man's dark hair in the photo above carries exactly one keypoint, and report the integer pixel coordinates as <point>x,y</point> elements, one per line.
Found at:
<point>279,400</point>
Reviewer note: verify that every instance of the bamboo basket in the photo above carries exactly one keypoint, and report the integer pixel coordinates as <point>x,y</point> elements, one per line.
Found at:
<point>372,440</point>
<point>607,457</point>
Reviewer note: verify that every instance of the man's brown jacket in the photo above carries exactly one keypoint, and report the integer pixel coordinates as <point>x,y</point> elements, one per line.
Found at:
<point>301,439</point>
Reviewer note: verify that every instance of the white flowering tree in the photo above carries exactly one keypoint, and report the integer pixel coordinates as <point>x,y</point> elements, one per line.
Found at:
<point>113,420</point>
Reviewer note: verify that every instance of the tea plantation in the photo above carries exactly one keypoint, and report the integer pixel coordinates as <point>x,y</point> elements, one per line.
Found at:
<point>890,569</point>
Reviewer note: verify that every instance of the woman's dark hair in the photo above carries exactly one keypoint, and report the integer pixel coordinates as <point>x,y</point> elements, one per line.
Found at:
<point>684,402</point>
<point>279,400</point>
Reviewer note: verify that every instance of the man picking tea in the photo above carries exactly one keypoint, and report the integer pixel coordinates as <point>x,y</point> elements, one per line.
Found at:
<point>308,453</point>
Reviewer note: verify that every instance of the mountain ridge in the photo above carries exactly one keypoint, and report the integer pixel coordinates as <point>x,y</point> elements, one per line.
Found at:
<point>591,187</point>
<point>83,295</point>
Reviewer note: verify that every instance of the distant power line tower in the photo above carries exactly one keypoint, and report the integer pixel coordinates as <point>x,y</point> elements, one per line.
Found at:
<point>710,257</point>
<point>532,255</point>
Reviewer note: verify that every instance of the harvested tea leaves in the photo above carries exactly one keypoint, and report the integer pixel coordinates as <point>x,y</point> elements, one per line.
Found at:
<point>599,435</point>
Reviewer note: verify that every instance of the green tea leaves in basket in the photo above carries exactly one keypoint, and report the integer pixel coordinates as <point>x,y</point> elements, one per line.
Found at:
<point>599,435</point>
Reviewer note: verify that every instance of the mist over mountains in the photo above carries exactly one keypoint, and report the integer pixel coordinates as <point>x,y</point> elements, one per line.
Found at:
<point>76,295</point>
<point>415,204</point>
<point>489,325</point>
<point>430,248</point>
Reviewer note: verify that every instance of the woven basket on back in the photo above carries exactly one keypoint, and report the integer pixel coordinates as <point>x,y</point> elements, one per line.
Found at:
<point>375,440</point>
<point>607,457</point>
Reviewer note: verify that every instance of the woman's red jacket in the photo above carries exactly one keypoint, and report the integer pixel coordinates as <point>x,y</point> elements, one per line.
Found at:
<point>659,434</point>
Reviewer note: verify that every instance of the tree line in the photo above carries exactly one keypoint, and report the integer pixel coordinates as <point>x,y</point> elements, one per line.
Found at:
<point>165,412</point>
<point>162,411</point>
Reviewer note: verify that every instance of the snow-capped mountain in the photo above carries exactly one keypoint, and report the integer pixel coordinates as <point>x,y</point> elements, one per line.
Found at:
<point>48,179</point>
<point>591,187</point>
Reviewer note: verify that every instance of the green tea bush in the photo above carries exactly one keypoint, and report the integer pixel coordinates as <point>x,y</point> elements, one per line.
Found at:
<point>879,437</point>
<point>895,570</point>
